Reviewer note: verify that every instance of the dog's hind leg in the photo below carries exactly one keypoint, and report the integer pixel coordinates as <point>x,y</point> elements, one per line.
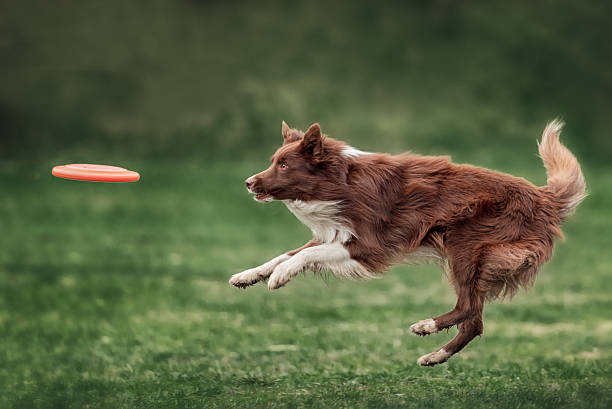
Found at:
<point>468,330</point>
<point>463,273</point>
<point>467,314</point>
<point>458,314</point>
<point>499,270</point>
<point>509,266</point>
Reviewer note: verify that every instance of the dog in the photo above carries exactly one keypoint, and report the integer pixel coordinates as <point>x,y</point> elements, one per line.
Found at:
<point>489,231</point>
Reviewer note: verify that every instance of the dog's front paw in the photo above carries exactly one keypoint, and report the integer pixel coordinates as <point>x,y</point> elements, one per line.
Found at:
<point>245,279</point>
<point>281,276</point>
<point>277,281</point>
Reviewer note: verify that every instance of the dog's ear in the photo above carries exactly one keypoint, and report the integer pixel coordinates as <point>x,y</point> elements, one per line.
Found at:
<point>312,142</point>
<point>289,135</point>
<point>286,131</point>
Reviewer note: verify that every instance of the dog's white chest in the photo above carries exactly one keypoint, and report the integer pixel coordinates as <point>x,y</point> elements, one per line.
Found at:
<point>323,218</point>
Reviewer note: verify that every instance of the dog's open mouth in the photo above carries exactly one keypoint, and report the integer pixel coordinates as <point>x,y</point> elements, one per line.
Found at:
<point>260,196</point>
<point>263,197</point>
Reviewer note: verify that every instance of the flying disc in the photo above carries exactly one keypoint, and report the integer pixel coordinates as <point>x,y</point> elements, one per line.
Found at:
<point>95,173</point>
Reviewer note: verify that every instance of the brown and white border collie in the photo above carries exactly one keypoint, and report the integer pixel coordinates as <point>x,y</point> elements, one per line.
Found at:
<point>489,231</point>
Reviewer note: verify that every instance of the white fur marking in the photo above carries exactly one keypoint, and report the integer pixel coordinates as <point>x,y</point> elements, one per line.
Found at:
<point>424,327</point>
<point>351,152</point>
<point>250,180</point>
<point>331,256</point>
<point>253,275</point>
<point>322,218</point>
<point>434,358</point>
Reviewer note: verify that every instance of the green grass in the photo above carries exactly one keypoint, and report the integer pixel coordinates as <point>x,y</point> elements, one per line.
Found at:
<point>116,296</point>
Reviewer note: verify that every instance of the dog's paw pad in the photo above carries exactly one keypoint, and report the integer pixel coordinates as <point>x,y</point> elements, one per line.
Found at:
<point>434,358</point>
<point>424,327</point>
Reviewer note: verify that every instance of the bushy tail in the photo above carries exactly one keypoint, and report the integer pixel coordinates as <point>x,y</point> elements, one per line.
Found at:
<point>565,179</point>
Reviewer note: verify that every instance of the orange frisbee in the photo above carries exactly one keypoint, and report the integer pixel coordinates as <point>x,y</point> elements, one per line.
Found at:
<point>95,173</point>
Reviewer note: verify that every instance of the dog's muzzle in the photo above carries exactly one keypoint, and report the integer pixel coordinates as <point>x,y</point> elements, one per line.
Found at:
<point>260,197</point>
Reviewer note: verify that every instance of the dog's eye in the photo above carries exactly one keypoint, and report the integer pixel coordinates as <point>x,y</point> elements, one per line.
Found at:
<point>283,165</point>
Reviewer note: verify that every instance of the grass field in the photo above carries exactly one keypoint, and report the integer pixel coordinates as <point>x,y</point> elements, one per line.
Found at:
<point>116,296</point>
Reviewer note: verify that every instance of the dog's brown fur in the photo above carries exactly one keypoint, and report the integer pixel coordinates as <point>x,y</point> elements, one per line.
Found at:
<point>491,231</point>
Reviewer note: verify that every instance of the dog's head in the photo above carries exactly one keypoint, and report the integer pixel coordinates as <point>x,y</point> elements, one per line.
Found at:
<point>306,166</point>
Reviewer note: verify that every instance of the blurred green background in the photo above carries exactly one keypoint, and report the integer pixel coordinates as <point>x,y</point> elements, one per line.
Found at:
<point>207,79</point>
<point>117,296</point>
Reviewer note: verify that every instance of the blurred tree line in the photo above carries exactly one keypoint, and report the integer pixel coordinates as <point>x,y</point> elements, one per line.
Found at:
<point>211,79</point>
